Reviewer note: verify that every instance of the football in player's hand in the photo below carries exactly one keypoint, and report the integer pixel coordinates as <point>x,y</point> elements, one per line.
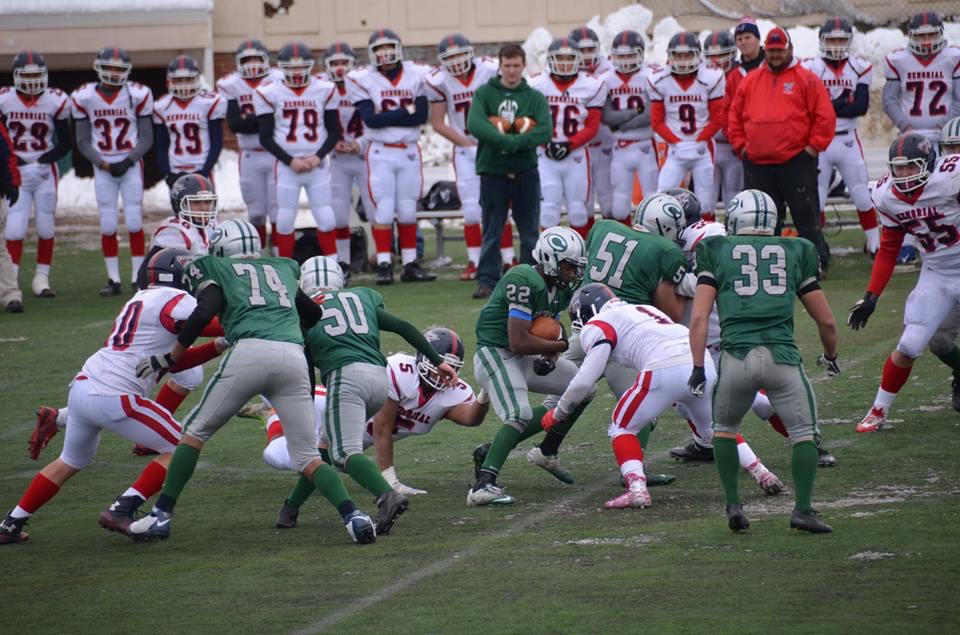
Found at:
<point>501,124</point>
<point>546,327</point>
<point>523,125</point>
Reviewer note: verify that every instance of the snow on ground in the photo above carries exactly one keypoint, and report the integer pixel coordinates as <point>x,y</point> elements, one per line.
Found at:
<point>47,7</point>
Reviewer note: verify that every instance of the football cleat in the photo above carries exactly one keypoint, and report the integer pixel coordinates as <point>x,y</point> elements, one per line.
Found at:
<point>550,463</point>
<point>360,527</point>
<point>482,292</point>
<point>479,456</point>
<point>384,273</point>
<point>119,515</point>
<point>412,272</point>
<point>636,496</point>
<point>111,288</point>
<point>390,505</point>
<point>16,306</point>
<point>736,519</point>
<point>693,451</point>
<point>45,430</point>
<point>809,521</point>
<point>767,480</point>
<point>287,517</point>
<point>875,420</point>
<point>507,266</point>
<point>41,286</point>
<point>11,530</point>
<point>470,273</point>
<point>908,255</point>
<point>153,526</point>
<point>825,458</point>
<point>489,494</point>
<point>653,479</point>
<point>955,393</point>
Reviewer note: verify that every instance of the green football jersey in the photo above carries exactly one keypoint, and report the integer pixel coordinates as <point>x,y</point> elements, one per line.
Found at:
<point>349,331</point>
<point>631,262</point>
<point>521,293</point>
<point>259,296</point>
<point>757,280</point>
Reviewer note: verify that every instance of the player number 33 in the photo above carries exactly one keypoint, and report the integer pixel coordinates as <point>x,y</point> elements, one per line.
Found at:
<point>774,256</point>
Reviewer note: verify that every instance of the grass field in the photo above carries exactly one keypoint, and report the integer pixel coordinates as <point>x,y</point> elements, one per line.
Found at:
<point>554,563</point>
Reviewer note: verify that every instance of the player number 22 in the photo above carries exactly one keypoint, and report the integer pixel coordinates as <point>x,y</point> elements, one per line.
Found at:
<point>273,282</point>
<point>776,258</point>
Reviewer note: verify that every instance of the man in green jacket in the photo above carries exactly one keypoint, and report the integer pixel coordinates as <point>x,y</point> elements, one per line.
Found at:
<point>507,163</point>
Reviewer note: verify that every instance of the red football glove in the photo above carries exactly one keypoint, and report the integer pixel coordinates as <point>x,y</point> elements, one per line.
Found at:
<point>549,420</point>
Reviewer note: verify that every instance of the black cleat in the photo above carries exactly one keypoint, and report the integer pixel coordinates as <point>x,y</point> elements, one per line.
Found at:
<point>14,306</point>
<point>809,521</point>
<point>824,458</point>
<point>287,516</point>
<point>384,273</point>
<point>111,288</point>
<point>736,519</point>
<point>390,504</point>
<point>412,272</point>
<point>955,395</point>
<point>479,456</point>
<point>693,451</point>
<point>120,514</point>
<point>11,530</point>
<point>482,292</point>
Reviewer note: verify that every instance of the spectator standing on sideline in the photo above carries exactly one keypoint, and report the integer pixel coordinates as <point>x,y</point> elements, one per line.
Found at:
<point>780,120</point>
<point>507,163</point>
<point>10,296</point>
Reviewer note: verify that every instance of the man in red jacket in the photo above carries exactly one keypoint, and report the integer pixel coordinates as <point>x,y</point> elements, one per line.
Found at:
<point>780,119</point>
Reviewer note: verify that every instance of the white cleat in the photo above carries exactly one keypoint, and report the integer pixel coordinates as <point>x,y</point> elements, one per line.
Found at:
<point>767,480</point>
<point>41,286</point>
<point>489,494</point>
<point>550,463</point>
<point>637,495</point>
<point>875,420</point>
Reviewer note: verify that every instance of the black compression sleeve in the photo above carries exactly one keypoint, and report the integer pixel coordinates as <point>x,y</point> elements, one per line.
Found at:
<point>389,322</point>
<point>208,305</point>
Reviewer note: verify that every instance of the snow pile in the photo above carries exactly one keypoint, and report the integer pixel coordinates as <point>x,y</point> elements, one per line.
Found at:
<point>48,7</point>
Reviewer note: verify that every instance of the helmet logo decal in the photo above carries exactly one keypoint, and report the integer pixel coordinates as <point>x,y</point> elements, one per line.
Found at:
<point>557,242</point>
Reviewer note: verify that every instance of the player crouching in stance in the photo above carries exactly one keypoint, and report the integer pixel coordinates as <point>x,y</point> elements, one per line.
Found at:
<point>107,394</point>
<point>753,276</point>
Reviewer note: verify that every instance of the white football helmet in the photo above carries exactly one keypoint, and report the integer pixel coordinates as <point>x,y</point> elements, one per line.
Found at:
<point>558,245</point>
<point>751,212</point>
<point>660,214</point>
<point>950,137</point>
<point>320,274</point>
<point>235,238</point>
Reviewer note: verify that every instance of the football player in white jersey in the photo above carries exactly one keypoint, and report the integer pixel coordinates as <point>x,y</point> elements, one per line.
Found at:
<point>643,338</point>
<point>576,103</point>
<point>450,92</point>
<point>918,197</point>
<point>347,168</point>
<point>113,119</point>
<point>687,111</point>
<point>595,64</point>
<point>258,184</point>
<point>188,123</point>
<point>627,114</point>
<point>391,97</point>
<point>107,395</point>
<point>720,51</point>
<point>35,115</point>
<point>847,80</point>
<point>298,124</point>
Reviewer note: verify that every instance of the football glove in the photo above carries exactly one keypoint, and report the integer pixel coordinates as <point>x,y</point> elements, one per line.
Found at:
<point>154,364</point>
<point>697,381</point>
<point>12,194</point>
<point>557,150</point>
<point>482,397</point>
<point>543,365</point>
<point>390,475</point>
<point>120,168</point>
<point>549,420</point>
<point>861,311</point>
<point>833,368</point>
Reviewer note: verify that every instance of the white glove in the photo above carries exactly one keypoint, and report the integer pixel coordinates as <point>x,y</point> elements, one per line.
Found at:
<point>390,475</point>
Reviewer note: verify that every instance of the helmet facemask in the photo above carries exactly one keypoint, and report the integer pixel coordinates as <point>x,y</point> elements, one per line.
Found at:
<point>835,45</point>
<point>683,60</point>
<point>253,63</point>
<point>926,40</point>
<point>200,209</point>
<point>564,63</point>
<point>385,53</point>
<point>627,60</point>
<point>429,374</point>
<point>296,71</point>
<point>30,79</point>
<point>457,61</point>
<point>338,65</point>
<point>183,84</point>
<point>908,174</point>
<point>112,72</point>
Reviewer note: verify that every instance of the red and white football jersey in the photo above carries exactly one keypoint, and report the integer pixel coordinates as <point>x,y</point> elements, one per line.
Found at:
<point>31,121</point>
<point>233,87</point>
<point>686,110</point>
<point>417,413</point>
<point>629,92</point>
<point>931,213</point>
<point>148,324</point>
<point>298,113</point>
<point>351,123</point>
<point>188,123</point>
<point>386,94</point>
<point>926,86</point>
<point>113,118</point>
<point>570,103</point>
<point>174,232</point>
<point>641,336</point>
<point>457,91</point>
<point>846,76</point>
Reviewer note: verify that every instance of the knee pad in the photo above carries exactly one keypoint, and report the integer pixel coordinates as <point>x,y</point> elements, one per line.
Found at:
<point>549,215</point>
<point>406,211</point>
<point>912,341</point>
<point>189,379</point>
<point>384,211</point>
<point>275,454</point>
<point>108,224</point>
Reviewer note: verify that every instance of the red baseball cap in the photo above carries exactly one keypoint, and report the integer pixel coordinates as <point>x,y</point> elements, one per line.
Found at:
<point>777,39</point>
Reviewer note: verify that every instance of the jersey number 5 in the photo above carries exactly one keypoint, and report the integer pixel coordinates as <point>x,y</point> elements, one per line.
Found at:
<point>776,259</point>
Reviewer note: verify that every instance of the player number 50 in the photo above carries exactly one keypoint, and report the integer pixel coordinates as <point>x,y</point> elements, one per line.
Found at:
<point>774,256</point>
<point>351,317</point>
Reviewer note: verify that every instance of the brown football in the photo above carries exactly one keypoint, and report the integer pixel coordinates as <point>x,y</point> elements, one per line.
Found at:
<point>523,125</point>
<point>501,124</point>
<point>546,327</point>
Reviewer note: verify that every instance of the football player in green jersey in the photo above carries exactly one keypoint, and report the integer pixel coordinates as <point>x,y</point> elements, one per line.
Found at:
<point>510,361</point>
<point>753,277</point>
<point>261,310</point>
<point>345,347</point>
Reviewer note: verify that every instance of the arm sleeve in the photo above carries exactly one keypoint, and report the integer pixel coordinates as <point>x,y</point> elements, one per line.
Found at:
<point>614,118</point>
<point>856,106</point>
<point>586,378</point>
<point>85,142</point>
<point>208,305</point>
<point>266,124</point>
<point>63,145</point>
<point>195,356</point>
<point>236,122</point>
<point>718,112</point>
<point>144,138</point>
<point>216,146</point>
<point>331,121</point>
<point>891,104</point>
<point>590,129</point>
<point>385,119</point>
<point>213,329</point>
<point>162,148</point>
<point>310,312</point>
<point>419,116</point>
<point>658,121</point>
<point>390,322</point>
<point>885,260</point>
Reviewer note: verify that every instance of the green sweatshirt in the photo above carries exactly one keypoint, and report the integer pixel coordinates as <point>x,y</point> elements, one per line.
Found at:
<point>508,153</point>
